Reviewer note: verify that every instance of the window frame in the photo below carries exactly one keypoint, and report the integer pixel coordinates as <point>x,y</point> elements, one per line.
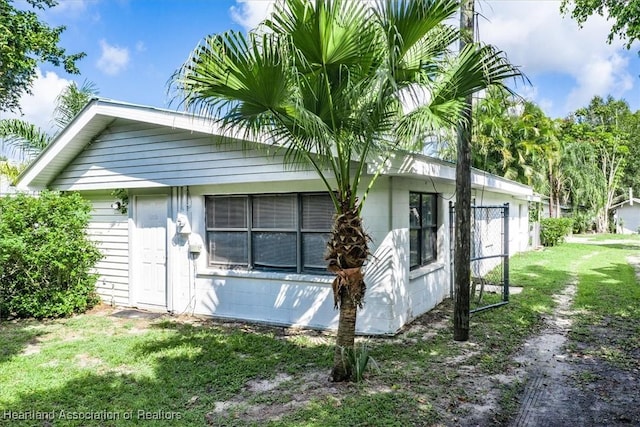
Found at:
<point>424,229</point>
<point>299,230</point>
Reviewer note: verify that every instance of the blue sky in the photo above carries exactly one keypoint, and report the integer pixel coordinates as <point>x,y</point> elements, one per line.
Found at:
<point>134,46</point>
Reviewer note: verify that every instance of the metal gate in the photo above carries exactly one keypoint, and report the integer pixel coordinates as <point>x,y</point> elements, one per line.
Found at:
<point>489,255</point>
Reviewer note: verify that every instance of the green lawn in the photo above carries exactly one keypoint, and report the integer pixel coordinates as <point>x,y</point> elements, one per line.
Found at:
<point>123,371</point>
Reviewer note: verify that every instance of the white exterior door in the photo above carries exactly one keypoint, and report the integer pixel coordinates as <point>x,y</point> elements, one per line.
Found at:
<point>151,247</point>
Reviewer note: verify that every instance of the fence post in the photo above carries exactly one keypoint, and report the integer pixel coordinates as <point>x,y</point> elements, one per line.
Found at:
<point>451,247</point>
<point>505,245</point>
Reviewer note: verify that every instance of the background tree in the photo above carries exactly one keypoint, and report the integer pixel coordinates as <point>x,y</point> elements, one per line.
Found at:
<point>631,177</point>
<point>326,80</point>
<point>625,15</point>
<point>513,138</point>
<point>580,180</point>
<point>28,139</point>
<point>10,171</point>
<point>601,128</point>
<point>24,42</point>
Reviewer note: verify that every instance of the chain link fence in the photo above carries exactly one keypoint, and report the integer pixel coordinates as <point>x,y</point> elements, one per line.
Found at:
<point>489,255</point>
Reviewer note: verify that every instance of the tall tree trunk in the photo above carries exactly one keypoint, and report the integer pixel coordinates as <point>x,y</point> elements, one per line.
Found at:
<point>462,251</point>
<point>552,189</point>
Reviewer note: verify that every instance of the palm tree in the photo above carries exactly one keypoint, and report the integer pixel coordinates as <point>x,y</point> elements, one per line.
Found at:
<point>326,81</point>
<point>9,170</point>
<point>28,139</point>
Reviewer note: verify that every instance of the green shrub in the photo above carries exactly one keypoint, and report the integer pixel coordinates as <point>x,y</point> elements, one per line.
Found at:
<point>554,230</point>
<point>45,256</point>
<point>582,222</point>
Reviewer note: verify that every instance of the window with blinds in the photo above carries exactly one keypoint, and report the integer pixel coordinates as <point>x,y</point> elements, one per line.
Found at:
<point>281,232</point>
<point>423,229</point>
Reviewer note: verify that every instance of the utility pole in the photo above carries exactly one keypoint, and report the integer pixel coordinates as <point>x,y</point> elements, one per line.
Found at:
<point>462,249</point>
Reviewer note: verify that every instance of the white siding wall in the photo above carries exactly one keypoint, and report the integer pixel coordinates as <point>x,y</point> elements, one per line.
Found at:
<point>423,288</point>
<point>630,217</point>
<point>292,299</point>
<point>139,155</point>
<point>110,229</point>
<point>385,274</point>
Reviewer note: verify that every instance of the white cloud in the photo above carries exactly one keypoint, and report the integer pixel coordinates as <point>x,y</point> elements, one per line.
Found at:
<point>113,58</point>
<point>38,107</point>
<point>538,38</point>
<point>140,46</point>
<point>249,13</point>
<point>600,77</point>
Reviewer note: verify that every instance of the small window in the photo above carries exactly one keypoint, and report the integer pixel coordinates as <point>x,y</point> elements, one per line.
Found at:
<point>278,232</point>
<point>423,229</point>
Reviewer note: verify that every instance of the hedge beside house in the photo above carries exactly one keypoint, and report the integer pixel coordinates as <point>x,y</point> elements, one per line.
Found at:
<point>46,257</point>
<point>554,230</point>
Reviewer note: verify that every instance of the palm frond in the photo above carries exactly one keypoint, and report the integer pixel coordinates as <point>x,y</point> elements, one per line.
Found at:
<point>23,137</point>
<point>71,101</point>
<point>416,34</point>
<point>325,81</point>
<point>477,67</point>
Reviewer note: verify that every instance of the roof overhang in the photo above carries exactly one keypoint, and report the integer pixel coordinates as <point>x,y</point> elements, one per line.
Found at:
<point>420,167</point>
<point>630,202</point>
<point>88,124</point>
<point>99,113</point>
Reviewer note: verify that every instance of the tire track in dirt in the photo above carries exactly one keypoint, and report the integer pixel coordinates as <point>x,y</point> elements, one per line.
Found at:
<point>547,399</point>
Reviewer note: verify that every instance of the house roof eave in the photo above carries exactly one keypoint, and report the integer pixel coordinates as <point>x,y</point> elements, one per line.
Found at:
<point>89,123</point>
<point>421,166</point>
<point>626,202</point>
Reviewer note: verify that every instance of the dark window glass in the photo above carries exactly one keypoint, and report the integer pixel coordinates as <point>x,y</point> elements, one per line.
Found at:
<point>423,229</point>
<point>314,246</point>
<point>277,212</point>
<point>274,250</point>
<point>228,248</point>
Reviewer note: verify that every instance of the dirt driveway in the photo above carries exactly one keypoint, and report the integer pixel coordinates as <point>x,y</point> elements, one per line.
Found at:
<point>565,384</point>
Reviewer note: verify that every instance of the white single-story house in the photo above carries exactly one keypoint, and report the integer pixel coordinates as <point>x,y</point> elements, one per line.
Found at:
<point>627,216</point>
<point>226,230</point>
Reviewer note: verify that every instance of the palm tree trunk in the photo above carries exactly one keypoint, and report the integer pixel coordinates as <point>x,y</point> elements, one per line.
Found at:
<point>347,251</point>
<point>345,339</point>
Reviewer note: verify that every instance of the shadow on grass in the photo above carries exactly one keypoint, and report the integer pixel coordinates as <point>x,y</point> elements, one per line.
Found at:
<point>621,246</point>
<point>16,336</point>
<point>190,368</point>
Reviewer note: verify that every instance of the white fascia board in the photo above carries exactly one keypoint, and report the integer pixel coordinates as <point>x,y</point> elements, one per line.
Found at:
<point>28,180</point>
<point>420,166</point>
<point>174,120</point>
<point>400,164</point>
<point>481,179</point>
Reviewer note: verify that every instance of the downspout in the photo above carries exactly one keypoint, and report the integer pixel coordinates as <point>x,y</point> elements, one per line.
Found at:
<point>192,257</point>
<point>174,208</point>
